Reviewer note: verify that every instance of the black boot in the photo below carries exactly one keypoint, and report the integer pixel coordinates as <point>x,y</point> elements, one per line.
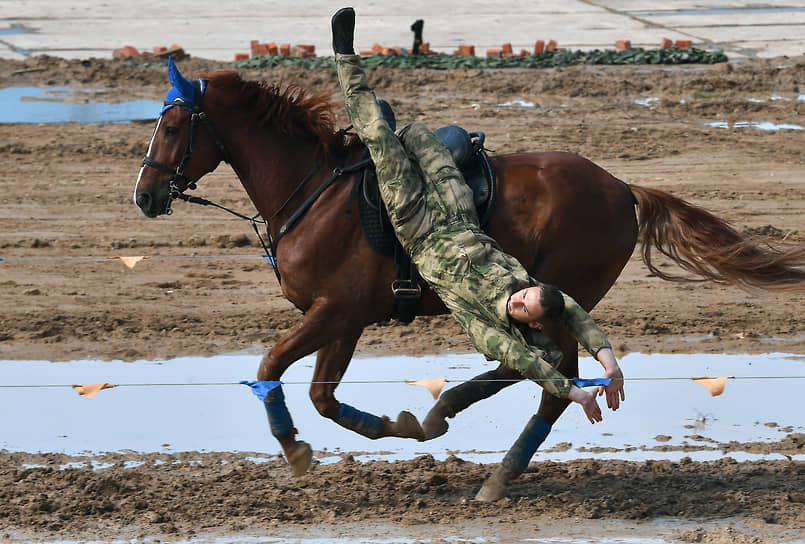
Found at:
<point>416,28</point>
<point>343,23</point>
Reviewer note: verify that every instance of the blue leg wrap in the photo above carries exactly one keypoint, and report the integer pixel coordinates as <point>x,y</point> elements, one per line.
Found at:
<point>368,425</point>
<point>520,454</point>
<point>279,418</point>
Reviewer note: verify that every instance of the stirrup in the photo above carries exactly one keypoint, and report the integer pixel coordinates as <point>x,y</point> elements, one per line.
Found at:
<point>406,289</point>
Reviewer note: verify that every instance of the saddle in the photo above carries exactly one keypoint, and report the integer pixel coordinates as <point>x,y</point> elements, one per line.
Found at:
<point>467,149</point>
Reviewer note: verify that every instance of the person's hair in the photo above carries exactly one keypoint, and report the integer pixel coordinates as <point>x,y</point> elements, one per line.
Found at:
<point>552,301</point>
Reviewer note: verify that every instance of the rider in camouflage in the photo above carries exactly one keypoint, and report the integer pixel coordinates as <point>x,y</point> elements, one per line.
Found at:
<point>489,292</point>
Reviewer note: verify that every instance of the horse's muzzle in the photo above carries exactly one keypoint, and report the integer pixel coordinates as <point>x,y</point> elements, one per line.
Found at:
<point>151,205</point>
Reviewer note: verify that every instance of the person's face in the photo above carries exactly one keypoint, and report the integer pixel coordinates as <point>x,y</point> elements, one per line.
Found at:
<point>524,306</point>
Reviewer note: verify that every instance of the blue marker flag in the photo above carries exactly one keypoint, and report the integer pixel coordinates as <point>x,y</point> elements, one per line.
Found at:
<point>261,388</point>
<point>583,382</point>
<point>269,258</point>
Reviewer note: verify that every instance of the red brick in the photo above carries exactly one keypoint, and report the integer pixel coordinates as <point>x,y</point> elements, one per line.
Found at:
<point>684,44</point>
<point>666,43</point>
<point>366,52</point>
<point>424,48</point>
<point>259,50</point>
<point>125,52</point>
<point>467,50</point>
<point>539,47</point>
<point>285,49</point>
<point>308,50</point>
<point>497,53</point>
<point>241,56</point>
<point>506,48</point>
<point>159,50</point>
<point>389,51</point>
<point>273,49</point>
<point>551,45</point>
<point>623,45</point>
<point>377,48</point>
<point>175,51</point>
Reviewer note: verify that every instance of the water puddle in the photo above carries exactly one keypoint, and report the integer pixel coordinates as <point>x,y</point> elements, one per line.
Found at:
<point>534,531</point>
<point>762,125</point>
<point>14,29</point>
<point>519,102</point>
<point>196,404</point>
<point>648,102</point>
<point>57,105</point>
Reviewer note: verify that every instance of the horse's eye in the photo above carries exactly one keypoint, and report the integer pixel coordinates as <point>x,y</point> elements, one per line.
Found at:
<point>171,130</point>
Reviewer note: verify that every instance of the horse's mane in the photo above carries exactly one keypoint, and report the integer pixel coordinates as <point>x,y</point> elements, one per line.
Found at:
<point>290,109</point>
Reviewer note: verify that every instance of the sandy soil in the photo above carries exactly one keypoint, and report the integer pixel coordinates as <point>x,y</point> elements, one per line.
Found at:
<point>65,191</point>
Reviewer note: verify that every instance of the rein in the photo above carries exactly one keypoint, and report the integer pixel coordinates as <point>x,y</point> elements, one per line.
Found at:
<point>271,247</point>
<point>177,174</point>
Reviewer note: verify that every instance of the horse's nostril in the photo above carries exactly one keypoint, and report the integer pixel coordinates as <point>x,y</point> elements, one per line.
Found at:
<point>143,200</point>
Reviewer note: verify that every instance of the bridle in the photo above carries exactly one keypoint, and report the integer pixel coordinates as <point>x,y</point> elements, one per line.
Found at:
<point>177,174</point>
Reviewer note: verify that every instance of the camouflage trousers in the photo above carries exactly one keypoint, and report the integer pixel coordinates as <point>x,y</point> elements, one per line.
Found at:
<point>433,214</point>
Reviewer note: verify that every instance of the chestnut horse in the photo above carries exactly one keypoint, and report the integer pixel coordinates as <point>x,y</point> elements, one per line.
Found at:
<point>568,221</point>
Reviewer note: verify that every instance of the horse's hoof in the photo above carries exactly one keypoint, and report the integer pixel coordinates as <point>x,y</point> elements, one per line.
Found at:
<point>435,424</point>
<point>407,426</point>
<point>300,458</point>
<point>494,487</point>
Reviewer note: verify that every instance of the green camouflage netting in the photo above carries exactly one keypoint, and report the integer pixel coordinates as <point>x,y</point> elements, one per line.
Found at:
<point>549,59</point>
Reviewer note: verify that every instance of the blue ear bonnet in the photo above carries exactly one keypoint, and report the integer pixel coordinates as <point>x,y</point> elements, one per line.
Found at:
<point>184,92</point>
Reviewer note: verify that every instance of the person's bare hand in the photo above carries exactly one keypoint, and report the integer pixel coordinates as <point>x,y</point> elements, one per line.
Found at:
<point>588,403</point>
<point>614,391</point>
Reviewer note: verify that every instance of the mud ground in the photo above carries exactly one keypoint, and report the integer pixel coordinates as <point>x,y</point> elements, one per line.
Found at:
<point>66,191</point>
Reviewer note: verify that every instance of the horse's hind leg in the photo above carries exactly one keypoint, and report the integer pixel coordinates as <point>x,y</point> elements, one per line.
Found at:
<point>331,363</point>
<point>460,397</point>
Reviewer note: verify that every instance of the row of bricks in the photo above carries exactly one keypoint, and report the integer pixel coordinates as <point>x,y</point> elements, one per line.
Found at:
<point>542,47</point>
<point>624,45</point>
<point>285,49</point>
<point>260,49</point>
<point>506,49</point>
<point>128,51</point>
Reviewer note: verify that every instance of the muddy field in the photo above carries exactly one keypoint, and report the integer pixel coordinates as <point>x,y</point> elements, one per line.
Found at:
<point>66,191</point>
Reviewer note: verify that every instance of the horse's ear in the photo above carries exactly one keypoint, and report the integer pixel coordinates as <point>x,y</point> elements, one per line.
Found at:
<point>179,82</point>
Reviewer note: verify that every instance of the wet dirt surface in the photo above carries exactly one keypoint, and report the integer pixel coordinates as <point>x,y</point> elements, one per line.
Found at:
<point>66,190</point>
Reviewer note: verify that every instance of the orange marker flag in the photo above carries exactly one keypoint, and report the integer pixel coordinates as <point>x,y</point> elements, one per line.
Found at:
<point>714,385</point>
<point>131,261</point>
<point>434,385</point>
<point>90,390</point>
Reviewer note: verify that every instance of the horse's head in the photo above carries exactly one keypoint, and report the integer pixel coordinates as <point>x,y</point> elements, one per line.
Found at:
<point>179,154</point>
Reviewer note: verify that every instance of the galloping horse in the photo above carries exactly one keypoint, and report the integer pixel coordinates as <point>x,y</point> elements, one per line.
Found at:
<point>568,221</point>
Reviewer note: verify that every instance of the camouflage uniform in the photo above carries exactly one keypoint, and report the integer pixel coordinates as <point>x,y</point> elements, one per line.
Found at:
<point>432,211</point>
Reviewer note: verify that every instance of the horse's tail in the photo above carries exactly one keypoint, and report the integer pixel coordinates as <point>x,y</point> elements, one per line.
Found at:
<point>709,247</point>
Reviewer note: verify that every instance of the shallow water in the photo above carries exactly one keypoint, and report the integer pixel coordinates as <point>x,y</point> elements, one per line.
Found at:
<point>13,29</point>
<point>57,105</point>
<point>762,125</point>
<point>191,403</point>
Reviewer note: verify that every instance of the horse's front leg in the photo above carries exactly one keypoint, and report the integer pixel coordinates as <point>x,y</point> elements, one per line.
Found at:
<point>331,363</point>
<point>317,328</point>
<point>536,431</point>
